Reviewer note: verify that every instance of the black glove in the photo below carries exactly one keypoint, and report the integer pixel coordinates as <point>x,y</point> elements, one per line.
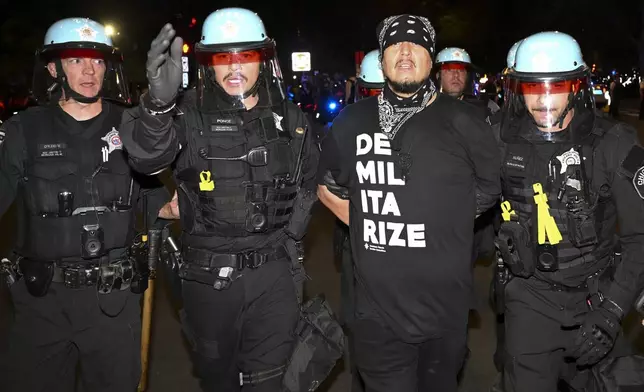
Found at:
<point>597,334</point>
<point>163,67</point>
<point>337,190</point>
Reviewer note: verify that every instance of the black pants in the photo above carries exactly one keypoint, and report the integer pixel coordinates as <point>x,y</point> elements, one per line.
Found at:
<point>540,325</point>
<point>386,363</point>
<point>68,329</point>
<point>342,249</point>
<point>246,328</point>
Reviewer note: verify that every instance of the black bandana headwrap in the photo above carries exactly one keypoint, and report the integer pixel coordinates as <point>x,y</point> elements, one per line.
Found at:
<point>406,28</point>
<point>393,110</point>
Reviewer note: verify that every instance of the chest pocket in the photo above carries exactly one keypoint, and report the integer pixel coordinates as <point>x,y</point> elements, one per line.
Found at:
<point>282,156</point>
<point>113,180</point>
<point>220,153</point>
<point>45,179</point>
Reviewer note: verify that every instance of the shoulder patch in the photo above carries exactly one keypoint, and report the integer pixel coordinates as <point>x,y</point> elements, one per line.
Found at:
<point>638,181</point>
<point>633,167</point>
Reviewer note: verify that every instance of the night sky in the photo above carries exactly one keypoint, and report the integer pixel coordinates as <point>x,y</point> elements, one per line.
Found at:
<point>333,30</point>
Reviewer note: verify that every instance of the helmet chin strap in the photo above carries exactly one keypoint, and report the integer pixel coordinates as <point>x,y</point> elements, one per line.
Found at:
<point>571,98</point>
<point>61,79</point>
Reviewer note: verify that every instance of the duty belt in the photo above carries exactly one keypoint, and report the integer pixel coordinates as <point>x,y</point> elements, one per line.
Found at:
<point>221,269</point>
<point>107,275</point>
<point>209,260</point>
<point>583,287</point>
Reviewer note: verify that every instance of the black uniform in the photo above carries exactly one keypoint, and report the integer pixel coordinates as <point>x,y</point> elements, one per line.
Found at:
<point>413,269</point>
<point>235,219</point>
<point>545,305</point>
<point>61,319</point>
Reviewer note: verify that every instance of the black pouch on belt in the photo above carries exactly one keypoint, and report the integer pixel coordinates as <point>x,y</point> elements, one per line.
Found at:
<point>301,215</point>
<point>513,242</point>
<point>37,276</point>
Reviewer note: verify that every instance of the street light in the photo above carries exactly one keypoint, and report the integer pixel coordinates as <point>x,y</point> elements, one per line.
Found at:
<point>109,30</point>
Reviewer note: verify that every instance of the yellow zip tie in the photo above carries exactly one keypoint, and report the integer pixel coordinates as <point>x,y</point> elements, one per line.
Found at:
<point>507,211</point>
<point>547,227</point>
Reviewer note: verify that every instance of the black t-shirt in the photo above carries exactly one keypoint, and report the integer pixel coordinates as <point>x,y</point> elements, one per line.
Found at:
<point>412,240</point>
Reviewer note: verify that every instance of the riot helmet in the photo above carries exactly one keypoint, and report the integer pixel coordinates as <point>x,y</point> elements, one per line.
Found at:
<point>370,81</point>
<point>237,63</point>
<point>549,96</point>
<point>455,72</point>
<point>79,61</point>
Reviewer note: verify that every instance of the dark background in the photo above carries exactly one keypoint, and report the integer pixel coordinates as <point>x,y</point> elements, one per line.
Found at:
<point>609,32</point>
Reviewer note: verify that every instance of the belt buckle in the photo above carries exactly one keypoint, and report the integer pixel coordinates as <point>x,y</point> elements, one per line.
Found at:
<point>255,259</point>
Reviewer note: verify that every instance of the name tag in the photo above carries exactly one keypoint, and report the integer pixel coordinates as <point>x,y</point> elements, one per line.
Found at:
<point>52,150</point>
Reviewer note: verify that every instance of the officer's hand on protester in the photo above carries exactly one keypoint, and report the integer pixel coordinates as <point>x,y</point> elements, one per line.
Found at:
<point>171,209</point>
<point>163,67</point>
<point>596,337</point>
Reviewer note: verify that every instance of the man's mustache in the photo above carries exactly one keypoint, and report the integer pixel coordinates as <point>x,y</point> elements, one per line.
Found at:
<point>236,76</point>
<point>402,61</point>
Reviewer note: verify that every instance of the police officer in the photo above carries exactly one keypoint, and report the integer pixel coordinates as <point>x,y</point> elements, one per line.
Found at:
<point>245,170</point>
<point>370,83</point>
<point>370,80</point>
<point>74,284</point>
<point>569,177</point>
<point>456,77</point>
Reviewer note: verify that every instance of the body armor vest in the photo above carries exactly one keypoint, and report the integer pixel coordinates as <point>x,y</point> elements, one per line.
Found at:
<point>584,247</point>
<point>77,188</point>
<point>238,177</point>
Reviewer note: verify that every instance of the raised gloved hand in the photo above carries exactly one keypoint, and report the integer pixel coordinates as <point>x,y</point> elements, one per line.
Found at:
<point>597,334</point>
<point>333,187</point>
<point>163,67</point>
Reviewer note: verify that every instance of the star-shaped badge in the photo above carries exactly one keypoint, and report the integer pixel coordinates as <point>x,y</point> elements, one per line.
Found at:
<point>229,29</point>
<point>570,157</point>
<point>86,32</point>
<point>113,140</point>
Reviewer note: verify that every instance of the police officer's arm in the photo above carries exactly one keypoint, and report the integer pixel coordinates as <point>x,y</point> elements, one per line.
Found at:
<point>152,141</point>
<point>13,153</point>
<point>629,276</point>
<point>157,195</point>
<point>483,152</point>
<point>333,195</point>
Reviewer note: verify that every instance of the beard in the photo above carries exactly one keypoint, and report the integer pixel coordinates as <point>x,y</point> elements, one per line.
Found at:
<point>406,87</point>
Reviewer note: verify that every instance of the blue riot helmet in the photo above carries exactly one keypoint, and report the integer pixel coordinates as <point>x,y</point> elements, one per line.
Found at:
<point>236,61</point>
<point>455,72</point>
<point>509,64</point>
<point>511,57</point>
<point>79,61</point>
<point>549,96</point>
<point>370,81</point>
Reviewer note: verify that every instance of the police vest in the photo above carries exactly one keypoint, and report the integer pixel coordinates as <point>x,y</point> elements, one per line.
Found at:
<point>580,246</point>
<point>64,196</point>
<point>238,177</point>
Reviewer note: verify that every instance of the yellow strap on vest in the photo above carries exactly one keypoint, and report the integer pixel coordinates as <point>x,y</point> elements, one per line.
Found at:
<point>547,227</point>
<point>507,211</point>
<point>206,184</point>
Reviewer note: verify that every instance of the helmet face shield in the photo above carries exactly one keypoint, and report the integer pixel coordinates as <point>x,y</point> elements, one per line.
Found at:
<point>88,70</point>
<point>546,106</point>
<point>234,74</point>
<point>456,79</point>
